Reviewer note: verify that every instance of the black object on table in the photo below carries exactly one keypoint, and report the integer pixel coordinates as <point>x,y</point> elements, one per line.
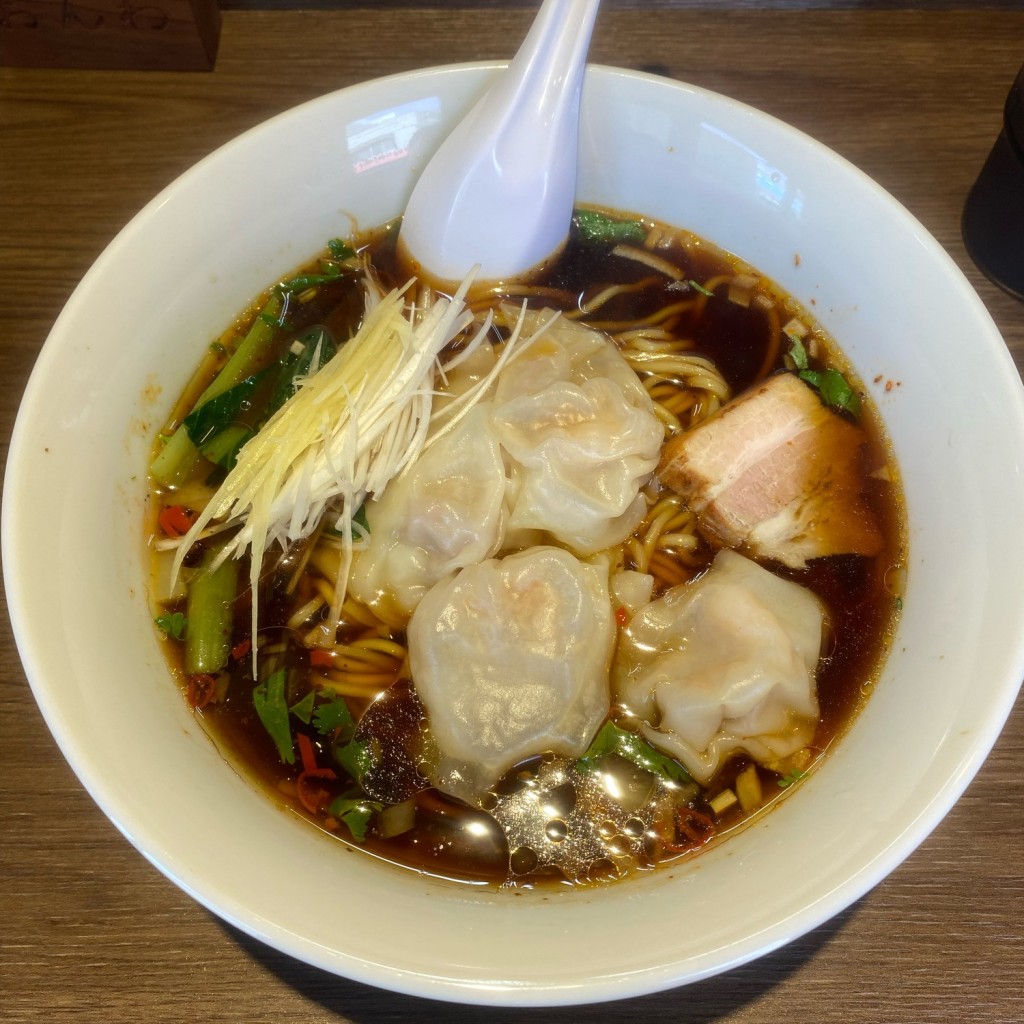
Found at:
<point>993,218</point>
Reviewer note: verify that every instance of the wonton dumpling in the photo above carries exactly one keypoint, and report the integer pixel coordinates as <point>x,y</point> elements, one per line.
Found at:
<point>468,371</point>
<point>510,658</point>
<point>724,664</point>
<point>581,432</point>
<point>446,512</point>
<point>568,351</point>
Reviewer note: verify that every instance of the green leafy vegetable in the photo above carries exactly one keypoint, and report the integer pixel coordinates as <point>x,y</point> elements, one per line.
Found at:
<point>299,283</point>
<point>340,250</point>
<point>601,229</point>
<point>178,456</point>
<point>698,287</point>
<point>223,448</point>
<point>213,426</point>
<point>360,520</point>
<point>210,611</point>
<point>317,348</point>
<point>791,778</point>
<point>303,709</point>
<point>336,715</point>
<point>833,387</point>
<point>797,352</point>
<point>207,420</point>
<point>605,742</point>
<point>269,700</point>
<point>274,319</point>
<point>355,758</point>
<point>355,812</point>
<point>613,740</point>
<point>173,624</point>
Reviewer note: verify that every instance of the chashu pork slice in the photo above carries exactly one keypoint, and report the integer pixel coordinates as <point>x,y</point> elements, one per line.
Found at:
<point>777,473</point>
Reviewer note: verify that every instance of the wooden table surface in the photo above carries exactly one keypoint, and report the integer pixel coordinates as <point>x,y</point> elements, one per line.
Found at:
<point>89,931</point>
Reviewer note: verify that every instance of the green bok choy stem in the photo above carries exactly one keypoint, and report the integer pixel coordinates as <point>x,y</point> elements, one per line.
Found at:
<point>179,454</point>
<point>211,594</point>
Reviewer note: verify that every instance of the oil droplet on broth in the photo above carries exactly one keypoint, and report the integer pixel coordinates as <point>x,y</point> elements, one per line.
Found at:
<point>634,828</point>
<point>523,860</point>
<point>556,830</point>
<point>586,824</point>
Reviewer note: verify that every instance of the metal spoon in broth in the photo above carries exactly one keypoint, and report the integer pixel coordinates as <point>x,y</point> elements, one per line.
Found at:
<point>499,192</point>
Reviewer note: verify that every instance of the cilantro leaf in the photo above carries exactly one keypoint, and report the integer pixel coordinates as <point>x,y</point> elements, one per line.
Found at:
<point>173,624</point>
<point>303,709</point>
<point>355,813</point>
<point>834,388</point>
<point>269,700</point>
<point>355,758</point>
<point>601,229</point>
<point>797,352</point>
<point>612,739</point>
<point>791,778</point>
<point>336,715</point>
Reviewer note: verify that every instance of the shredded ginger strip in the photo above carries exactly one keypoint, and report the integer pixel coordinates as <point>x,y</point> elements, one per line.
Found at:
<point>348,430</point>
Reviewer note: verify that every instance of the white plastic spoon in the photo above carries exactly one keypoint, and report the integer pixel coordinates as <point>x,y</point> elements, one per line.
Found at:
<point>499,191</point>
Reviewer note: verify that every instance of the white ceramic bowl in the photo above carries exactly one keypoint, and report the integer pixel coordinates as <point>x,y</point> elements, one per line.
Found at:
<point>177,275</point>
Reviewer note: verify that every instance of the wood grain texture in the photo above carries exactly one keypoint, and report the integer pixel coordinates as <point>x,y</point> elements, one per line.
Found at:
<point>90,931</point>
<point>173,35</point>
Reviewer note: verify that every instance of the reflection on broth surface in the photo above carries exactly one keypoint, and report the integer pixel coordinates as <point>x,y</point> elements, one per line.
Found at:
<point>607,594</point>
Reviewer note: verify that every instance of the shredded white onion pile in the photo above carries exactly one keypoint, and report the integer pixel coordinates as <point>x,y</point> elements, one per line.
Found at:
<point>349,429</point>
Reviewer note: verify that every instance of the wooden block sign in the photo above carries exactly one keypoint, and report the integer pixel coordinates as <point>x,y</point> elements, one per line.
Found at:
<point>167,35</point>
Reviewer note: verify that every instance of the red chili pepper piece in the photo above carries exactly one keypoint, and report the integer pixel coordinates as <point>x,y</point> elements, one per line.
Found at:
<point>175,520</point>
<point>321,658</point>
<point>313,793</point>
<point>697,827</point>
<point>621,615</point>
<point>306,752</point>
<point>200,690</point>
<point>241,649</point>
<point>693,830</point>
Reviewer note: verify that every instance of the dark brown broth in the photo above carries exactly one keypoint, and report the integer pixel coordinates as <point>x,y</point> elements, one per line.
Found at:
<point>854,589</point>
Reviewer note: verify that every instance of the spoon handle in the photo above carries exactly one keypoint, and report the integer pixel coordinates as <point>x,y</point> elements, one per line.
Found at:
<point>540,91</point>
<point>499,191</point>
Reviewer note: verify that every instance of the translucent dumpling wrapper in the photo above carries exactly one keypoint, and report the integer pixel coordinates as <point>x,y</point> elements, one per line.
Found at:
<point>724,664</point>
<point>566,351</point>
<point>582,437</point>
<point>467,372</point>
<point>444,513</point>
<point>510,659</point>
<point>631,590</point>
